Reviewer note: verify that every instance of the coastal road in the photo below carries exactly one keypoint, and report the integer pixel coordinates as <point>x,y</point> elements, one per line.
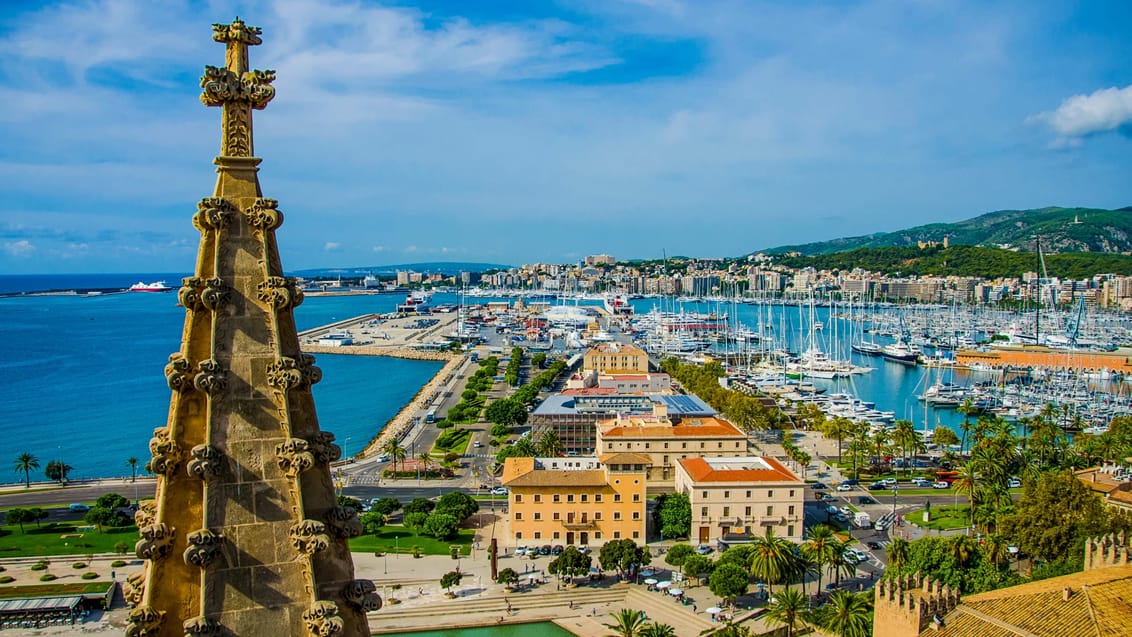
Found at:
<point>78,492</point>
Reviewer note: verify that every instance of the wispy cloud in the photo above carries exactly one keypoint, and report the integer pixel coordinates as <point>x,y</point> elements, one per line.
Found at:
<point>20,249</point>
<point>1103,111</point>
<point>331,246</point>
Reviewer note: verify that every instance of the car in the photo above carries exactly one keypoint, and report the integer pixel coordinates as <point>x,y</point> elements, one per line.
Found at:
<point>79,507</point>
<point>861,555</point>
<point>557,550</point>
<point>877,486</point>
<point>477,444</point>
<point>545,549</point>
<point>889,482</point>
<point>703,549</point>
<point>941,485</point>
<point>873,545</point>
<point>818,486</point>
<point>881,525</point>
<point>832,510</point>
<point>844,487</point>
<point>865,499</point>
<point>522,550</point>
<point>1013,483</point>
<point>846,511</point>
<point>851,482</point>
<point>850,556</point>
<point>841,517</point>
<point>499,491</point>
<point>921,482</point>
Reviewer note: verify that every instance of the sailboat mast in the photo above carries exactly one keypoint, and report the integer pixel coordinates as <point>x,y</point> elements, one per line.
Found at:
<point>1038,291</point>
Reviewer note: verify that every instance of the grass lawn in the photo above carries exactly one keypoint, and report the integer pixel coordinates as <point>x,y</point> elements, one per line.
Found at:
<point>50,590</point>
<point>943,517</point>
<point>400,540</point>
<point>49,540</point>
<point>462,436</point>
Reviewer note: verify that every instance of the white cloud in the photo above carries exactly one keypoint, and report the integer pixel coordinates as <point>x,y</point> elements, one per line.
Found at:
<point>1102,111</point>
<point>410,249</point>
<point>378,248</point>
<point>21,248</point>
<point>331,246</point>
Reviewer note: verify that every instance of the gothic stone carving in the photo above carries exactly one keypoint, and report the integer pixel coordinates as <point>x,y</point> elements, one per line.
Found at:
<point>165,451</point>
<point>294,456</point>
<point>322,619</point>
<point>309,537</point>
<point>343,521</point>
<point>211,378</point>
<point>134,588</point>
<point>156,542</point>
<point>204,546</point>
<point>264,215</point>
<point>144,621</point>
<point>203,627</point>
<point>212,213</point>
<point>361,593</point>
<point>280,292</point>
<point>146,514</point>
<point>238,31</point>
<point>324,449</point>
<point>216,294</point>
<point>189,294</point>
<point>178,372</point>
<point>223,86</point>
<point>207,462</point>
<point>284,373</point>
<point>311,373</point>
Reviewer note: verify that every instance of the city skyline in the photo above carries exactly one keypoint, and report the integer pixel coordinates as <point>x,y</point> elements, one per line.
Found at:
<point>435,131</point>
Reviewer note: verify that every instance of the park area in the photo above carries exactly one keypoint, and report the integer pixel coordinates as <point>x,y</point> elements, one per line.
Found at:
<point>401,540</point>
<point>61,538</point>
<point>943,518</point>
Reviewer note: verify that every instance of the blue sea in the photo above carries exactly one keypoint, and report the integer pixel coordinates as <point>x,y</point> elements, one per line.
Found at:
<point>81,378</point>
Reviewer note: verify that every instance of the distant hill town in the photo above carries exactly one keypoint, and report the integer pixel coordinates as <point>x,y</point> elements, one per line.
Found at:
<point>1060,229</point>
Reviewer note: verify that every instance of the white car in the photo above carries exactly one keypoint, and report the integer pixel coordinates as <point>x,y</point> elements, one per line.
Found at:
<point>941,485</point>
<point>499,491</point>
<point>844,487</point>
<point>1013,483</point>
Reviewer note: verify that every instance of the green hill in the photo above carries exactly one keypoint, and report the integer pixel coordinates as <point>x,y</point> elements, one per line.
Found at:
<point>1060,229</point>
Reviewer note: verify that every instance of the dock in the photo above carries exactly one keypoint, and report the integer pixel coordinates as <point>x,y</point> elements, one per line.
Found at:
<point>1033,357</point>
<point>411,337</point>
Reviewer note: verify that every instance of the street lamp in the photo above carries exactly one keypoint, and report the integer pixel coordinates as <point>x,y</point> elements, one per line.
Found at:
<point>894,492</point>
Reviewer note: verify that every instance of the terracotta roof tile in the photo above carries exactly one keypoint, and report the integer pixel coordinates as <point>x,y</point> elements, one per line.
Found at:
<point>700,470</point>
<point>652,428</point>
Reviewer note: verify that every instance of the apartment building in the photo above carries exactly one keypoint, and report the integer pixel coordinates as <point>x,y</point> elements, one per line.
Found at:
<point>666,442</point>
<point>573,415</point>
<point>616,358</point>
<point>583,501</point>
<point>737,498</point>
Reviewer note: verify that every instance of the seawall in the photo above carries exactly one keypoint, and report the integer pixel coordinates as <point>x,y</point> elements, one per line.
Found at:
<point>400,424</point>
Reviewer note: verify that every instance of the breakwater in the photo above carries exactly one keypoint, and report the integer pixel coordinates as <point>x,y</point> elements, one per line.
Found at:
<point>400,424</point>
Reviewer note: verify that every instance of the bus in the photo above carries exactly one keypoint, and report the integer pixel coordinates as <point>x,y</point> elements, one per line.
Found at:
<point>430,416</point>
<point>947,476</point>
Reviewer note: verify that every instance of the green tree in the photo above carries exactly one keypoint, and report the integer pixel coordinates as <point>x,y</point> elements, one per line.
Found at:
<point>658,630</point>
<point>1055,511</point>
<point>673,515</point>
<point>422,505</point>
<point>839,428</point>
<point>507,577</point>
<point>623,556</point>
<point>372,522</point>
<point>820,544</point>
<point>699,566</point>
<point>18,517</point>
<point>395,451</point>
<point>133,462</point>
<point>773,559</point>
<point>507,412</point>
<point>440,525</point>
<point>897,551</point>
<point>57,470</point>
<point>387,506</point>
<point>677,553</point>
<point>25,462</point>
<point>448,580</point>
<point>500,430</point>
<point>112,501</point>
<point>457,504</point>
<point>415,519</point>
<point>627,623</point>
<point>570,563</point>
<point>549,446</point>
<point>102,517</point>
<point>944,437</point>
<point>848,614</point>
<point>36,514</point>
<point>729,581</point>
<point>788,609</point>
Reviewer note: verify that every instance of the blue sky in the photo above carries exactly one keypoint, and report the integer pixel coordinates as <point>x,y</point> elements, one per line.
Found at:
<point>523,131</point>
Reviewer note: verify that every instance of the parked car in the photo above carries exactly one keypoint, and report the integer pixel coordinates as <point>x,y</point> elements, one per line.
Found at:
<point>522,550</point>
<point>941,485</point>
<point>851,556</point>
<point>832,510</point>
<point>557,550</point>
<point>844,487</point>
<point>846,511</point>
<point>851,482</point>
<point>1013,483</point>
<point>922,482</point>
<point>499,491</point>
<point>877,486</point>
<point>841,517</point>
<point>819,485</point>
<point>544,549</point>
<point>889,482</point>
<point>873,545</point>
<point>79,507</point>
<point>866,499</point>
<point>703,549</point>
<point>861,555</point>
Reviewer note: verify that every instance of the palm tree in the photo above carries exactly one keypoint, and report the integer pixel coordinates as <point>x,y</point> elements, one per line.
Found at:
<point>904,435</point>
<point>839,563</point>
<point>849,615</point>
<point>961,547</point>
<point>772,559</point>
<point>967,408</point>
<point>969,483</point>
<point>996,549</point>
<point>133,462</point>
<point>838,427</point>
<point>425,458</point>
<point>25,462</point>
<point>819,545</point>
<point>657,630</point>
<point>395,452</point>
<point>549,445</point>
<point>880,441</point>
<point>788,609</point>
<point>627,623</point>
<point>897,551</point>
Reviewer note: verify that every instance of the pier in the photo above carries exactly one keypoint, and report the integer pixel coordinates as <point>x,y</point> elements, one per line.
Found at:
<point>1033,357</point>
<point>411,337</point>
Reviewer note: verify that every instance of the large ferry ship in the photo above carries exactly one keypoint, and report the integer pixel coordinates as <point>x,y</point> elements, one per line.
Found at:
<point>156,286</point>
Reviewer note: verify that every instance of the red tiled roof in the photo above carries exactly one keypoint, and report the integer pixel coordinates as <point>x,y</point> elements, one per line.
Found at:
<point>700,471</point>
<point>688,428</point>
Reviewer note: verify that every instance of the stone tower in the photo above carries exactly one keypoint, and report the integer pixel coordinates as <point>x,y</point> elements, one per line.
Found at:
<point>245,536</point>
<point>906,605</point>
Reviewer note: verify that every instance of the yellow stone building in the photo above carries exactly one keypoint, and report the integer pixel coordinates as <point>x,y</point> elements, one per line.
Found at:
<point>665,442</point>
<point>616,358</point>
<point>582,501</point>
<point>734,499</point>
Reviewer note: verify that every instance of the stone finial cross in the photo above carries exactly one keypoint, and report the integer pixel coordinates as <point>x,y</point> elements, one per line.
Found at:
<point>236,88</point>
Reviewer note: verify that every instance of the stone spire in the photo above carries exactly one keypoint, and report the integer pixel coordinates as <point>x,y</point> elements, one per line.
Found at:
<point>245,536</point>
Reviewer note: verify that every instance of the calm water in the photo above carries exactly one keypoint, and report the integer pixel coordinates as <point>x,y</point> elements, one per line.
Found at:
<point>81,378</point>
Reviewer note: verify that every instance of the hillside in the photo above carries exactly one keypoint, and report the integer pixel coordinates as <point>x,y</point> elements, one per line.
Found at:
<point>432,267</point>
<point>1061,230</point>
<point>959,260</point>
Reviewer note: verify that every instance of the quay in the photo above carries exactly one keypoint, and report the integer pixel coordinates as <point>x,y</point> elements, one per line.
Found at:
<point>1034,357</point>
<point>375,335</point>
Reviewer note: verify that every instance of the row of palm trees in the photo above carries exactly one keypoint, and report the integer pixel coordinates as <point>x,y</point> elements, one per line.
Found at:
<point>26,461</point>
<point>634,623</point>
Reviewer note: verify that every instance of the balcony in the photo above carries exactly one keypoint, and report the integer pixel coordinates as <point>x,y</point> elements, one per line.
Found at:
<point>574,523</point>
<point>776,520</point>
<point>731,521</point>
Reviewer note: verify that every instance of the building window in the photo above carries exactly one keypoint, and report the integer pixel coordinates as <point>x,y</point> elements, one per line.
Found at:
<point>636,497</point>
<point>769,493</point>
<point>646,445</point>
<point>616,497</point>
<point>518,498</point>
<point>617,535</point>
<point>597,497</point>
<point>683,445</point>
<point>538,535</point>
<point>616,515</point>
<point>727,494</point>
<point>665,460</point>
<point>597,515</point>
<point>636,534</point>
<point>597,535</point>
<point>702,446</point>
<point>719,445</point>
<point>703,512</point>
<point>791,492</point>
<point>666,445</point>
<point>538,498</point>
<point>636,481</point>
<point>557,498</point>
<point>748,493</point>
<point>557,516</point>
<point>790,530</point>
<point>636,515</point>
<point>617,481</point>
<point>518,535</point>
<point>585,498</point>
<point>538,516</point>
<point>747,511</point>
<point>556,536</point>
<point>704,494</point>
<point>726,511</point>
<point>518,516</point>
<point>770,510</point>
